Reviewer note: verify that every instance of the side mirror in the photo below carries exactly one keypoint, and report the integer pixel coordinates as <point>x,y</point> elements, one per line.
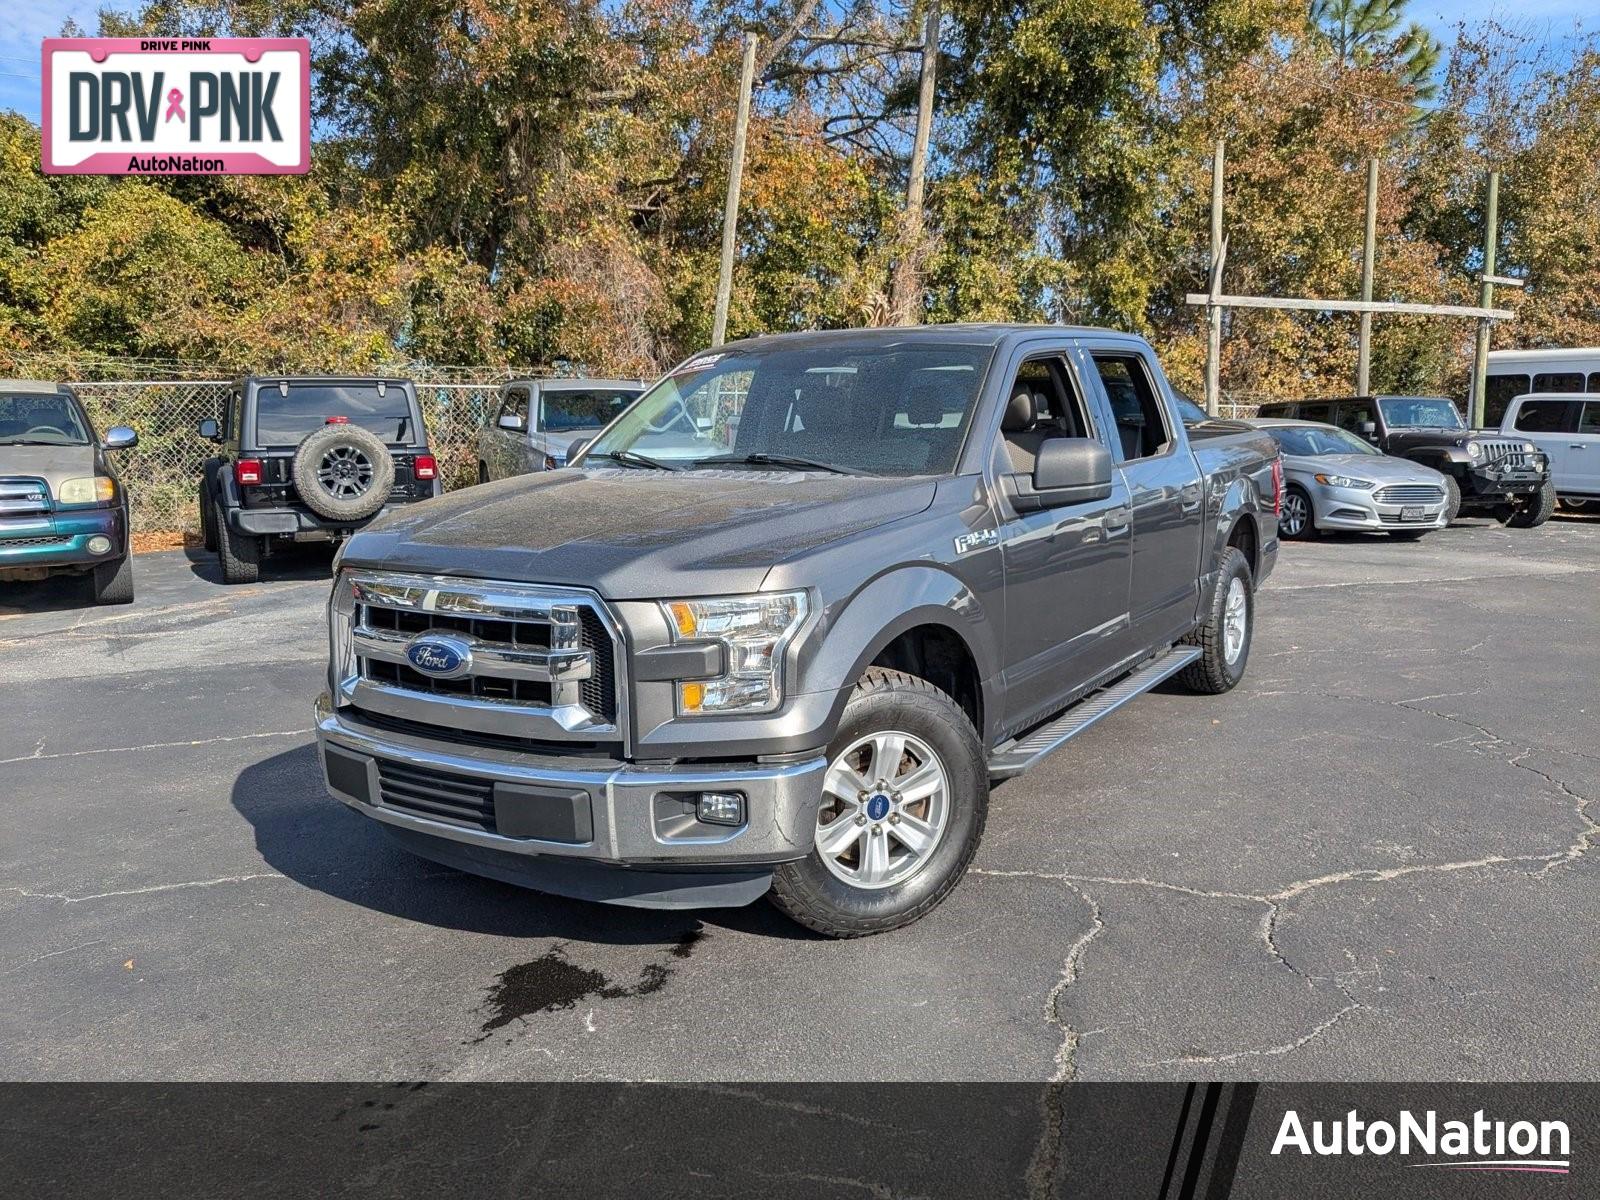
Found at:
<point>1066,471</point>
<point>120,437</point>
<point>1369,428</point>
<point>510,421</point>
<point>210,430</point>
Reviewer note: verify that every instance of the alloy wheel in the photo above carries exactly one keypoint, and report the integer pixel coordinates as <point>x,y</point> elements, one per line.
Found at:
<point>885,806</point>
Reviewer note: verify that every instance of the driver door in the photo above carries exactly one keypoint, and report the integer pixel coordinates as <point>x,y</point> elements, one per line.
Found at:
<point>504,456</point>
<point>1067,569</point>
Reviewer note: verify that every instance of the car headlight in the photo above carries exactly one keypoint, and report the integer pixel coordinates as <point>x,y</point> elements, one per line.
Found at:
<point>86,489</point>
<point>754,632</point>
<point>1529,448</point>
<point>1474,450</point>
<point>1345,481</point>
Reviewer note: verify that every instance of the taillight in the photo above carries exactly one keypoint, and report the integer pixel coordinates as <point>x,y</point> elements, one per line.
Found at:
<point>247,472</point>
<point>425,467</point>
<point>336,420</point>
<point>1277,486</point>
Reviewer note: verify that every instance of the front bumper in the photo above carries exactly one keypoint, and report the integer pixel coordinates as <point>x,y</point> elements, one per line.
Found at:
<point>1493,484</point>
<point>60,539</point>
<point>1357,510</point>
<point>596,829</point>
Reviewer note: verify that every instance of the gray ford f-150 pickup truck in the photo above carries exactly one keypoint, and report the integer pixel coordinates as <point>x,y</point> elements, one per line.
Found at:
<point>789,615</point>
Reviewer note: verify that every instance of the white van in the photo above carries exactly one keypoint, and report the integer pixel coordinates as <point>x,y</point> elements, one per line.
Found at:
<point>1514,373</point>
<point>1567,428</point>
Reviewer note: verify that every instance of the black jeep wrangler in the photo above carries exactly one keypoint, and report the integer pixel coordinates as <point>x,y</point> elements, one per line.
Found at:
<point>1507,478</point>
<point>309,459</point>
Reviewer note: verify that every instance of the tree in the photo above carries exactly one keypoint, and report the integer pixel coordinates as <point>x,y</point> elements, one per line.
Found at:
<point>1363,32</point>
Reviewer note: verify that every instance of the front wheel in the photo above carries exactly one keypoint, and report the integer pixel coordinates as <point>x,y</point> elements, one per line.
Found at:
<point>903,806</point>
<point>1452,499</point>
<point>1297,520</point>
<point>113,581</point>
<point>1535,510</point>
<point>1224,635</point>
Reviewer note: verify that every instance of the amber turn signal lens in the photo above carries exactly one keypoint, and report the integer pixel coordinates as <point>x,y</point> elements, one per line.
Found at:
<point>693,695</point>
<point>683,617</point>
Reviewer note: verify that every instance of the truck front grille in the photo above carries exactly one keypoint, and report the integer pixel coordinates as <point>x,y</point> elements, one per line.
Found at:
<point>532,662</point>
<point>437,795</point>
<point>13,543</point>
<point>23,497</point>
<point>1409,493</point>
<point>1505,454</point>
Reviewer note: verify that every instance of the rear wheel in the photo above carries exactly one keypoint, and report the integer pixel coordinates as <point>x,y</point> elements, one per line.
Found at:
<point>113,581</point>
<point>1573,505</point>
<point>483,472</point>
<point>208,519</point>
<point>1297,520</point>
<point>903,806</point>
<point>239,553</point>
<point>1224,636</point>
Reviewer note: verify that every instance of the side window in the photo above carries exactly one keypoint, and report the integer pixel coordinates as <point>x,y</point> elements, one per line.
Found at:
<point>230,414</point>
<point>1498,393</point>
<point>1594,381</point>
<point>1545,416</point>
<point>1141,423</point>
<point>1589,422</point>
<point>1316,412</point>
<point>1559,381</point>
<point>1053,408</point>
<point>515,405</point>
<point>1353,417</point>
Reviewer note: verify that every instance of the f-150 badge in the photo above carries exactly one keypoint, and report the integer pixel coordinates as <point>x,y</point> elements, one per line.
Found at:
<point>976,540</point>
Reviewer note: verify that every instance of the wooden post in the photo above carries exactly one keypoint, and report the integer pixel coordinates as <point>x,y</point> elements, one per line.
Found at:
<point>1214,313</point>
<point>906,286</point>
<point>730,212</point>
<point>1368,249</point>
<point>1480,357</point>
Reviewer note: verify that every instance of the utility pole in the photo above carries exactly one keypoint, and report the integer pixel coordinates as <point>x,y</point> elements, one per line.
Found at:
<point>1480,358</point>
<point>730,212</point>
<point>906,285</point>
<point>1368,249</point>
<point>1214,313</point>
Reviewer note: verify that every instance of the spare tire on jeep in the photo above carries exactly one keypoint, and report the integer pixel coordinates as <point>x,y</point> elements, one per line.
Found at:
<point>343,472</point>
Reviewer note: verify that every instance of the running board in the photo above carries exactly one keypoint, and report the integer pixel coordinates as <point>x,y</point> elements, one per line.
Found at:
<point>1016,756</point>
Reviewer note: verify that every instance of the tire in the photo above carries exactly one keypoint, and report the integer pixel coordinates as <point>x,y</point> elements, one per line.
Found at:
<point>1536,511</point>
<point>239,554</point>
<point>935,732</point>
<point>208,519</point>
<point>1407,535</point>
<point>1298,521</point>
<point>113,581</point>
<point>1452,500</point>
<point>1222,661</point>
<point>483,472</point>
<point>1576,505</point>
<point>343,472</point>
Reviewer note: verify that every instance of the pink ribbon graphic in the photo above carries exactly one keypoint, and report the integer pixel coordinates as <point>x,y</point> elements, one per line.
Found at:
<point>175,105</point>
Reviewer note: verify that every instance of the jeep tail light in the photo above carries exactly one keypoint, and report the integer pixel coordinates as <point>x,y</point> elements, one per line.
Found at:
<point>247,472</point>
<point>425,467</point>
<point>336,420</point>
<point>1277,486</point>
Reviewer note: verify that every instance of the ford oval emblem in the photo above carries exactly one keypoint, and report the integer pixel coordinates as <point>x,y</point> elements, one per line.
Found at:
<point>438,656</point>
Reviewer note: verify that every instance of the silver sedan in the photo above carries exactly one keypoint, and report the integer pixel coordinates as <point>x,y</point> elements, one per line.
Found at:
<point>1333,480</point>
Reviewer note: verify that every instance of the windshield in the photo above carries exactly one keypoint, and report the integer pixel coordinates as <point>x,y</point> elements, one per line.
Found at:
<point>284,420</point>
<point>562,411</point>
<point>1419,412</point>
<point>40,418</point>
<point>883,410</point>
<point>1309,441</point>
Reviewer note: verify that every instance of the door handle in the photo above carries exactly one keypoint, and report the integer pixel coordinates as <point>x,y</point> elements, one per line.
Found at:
<point>1577,446</point>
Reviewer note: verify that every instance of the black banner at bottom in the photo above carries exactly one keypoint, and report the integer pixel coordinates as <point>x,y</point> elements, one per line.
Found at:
<point>885,1141</point>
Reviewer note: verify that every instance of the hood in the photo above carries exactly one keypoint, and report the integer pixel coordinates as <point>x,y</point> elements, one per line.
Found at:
<point>634,534</point>
<point>1380,468</point>
<point>50,463</point>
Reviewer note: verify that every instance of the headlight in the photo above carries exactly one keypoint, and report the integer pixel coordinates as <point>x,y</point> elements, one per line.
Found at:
<point>341,643</point>
<point>754,632</point>
<point>1529,448</point>
<point>1474,450</point>
<point>1345,481</point>
<point>87,489</point>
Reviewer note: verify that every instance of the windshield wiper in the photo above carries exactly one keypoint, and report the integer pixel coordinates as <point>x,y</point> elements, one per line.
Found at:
<point>36,442</point>
<point>776,460</point>
<point>633,458</point>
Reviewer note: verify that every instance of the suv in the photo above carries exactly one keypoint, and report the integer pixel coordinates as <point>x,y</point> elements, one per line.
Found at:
<point>782,621</point>
<point>62,508</point>
<point>309,459</point>
<point>536,422</point>
<point>1566,429</point>
<point>1506,477</point>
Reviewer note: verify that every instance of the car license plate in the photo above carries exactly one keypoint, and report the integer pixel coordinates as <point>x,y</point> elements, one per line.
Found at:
<point>1411,512</point>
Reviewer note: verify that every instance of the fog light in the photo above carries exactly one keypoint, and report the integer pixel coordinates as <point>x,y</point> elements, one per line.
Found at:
<point>99,544</point>
<point>721,808</point>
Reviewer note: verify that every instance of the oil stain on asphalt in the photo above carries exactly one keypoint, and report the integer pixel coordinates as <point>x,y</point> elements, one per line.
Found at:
<point>553,982</point>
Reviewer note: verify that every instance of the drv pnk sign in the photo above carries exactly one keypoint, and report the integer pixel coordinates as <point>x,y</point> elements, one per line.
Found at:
<point>177,106</point>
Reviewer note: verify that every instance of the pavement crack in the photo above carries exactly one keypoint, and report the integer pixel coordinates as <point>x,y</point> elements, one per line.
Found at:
<point>145,891</point>
<point>38,755</point>
<point>1290,1047</point>
<point>1066,1068</point>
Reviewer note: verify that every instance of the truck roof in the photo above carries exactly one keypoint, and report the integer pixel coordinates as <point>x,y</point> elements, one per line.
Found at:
<point>42,387</point>
<point>397,380</point>
<point>955,333</point>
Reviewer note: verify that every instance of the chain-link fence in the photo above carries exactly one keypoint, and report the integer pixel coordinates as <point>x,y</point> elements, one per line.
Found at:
<point>162,472</point>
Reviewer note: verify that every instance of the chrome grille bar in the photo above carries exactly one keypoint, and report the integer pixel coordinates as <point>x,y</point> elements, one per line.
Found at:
<point>502,660</point>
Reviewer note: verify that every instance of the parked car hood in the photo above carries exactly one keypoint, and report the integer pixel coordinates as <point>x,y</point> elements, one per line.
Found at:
<point>1380,468</point>
<point>634,534</point>
<point>49,463</point>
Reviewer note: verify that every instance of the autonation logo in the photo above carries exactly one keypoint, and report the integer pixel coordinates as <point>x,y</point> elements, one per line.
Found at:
<point>1480,1144</point>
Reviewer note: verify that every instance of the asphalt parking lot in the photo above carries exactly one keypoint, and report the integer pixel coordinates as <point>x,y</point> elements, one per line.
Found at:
<point>1373,860</point>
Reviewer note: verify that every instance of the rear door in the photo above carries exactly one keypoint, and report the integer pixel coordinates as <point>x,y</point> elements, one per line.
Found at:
<point>1583,451</point>
<point>1552,425</point>
<point>1165,492</point>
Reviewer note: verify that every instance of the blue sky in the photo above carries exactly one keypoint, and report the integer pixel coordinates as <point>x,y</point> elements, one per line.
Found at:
<point>33,20</point>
